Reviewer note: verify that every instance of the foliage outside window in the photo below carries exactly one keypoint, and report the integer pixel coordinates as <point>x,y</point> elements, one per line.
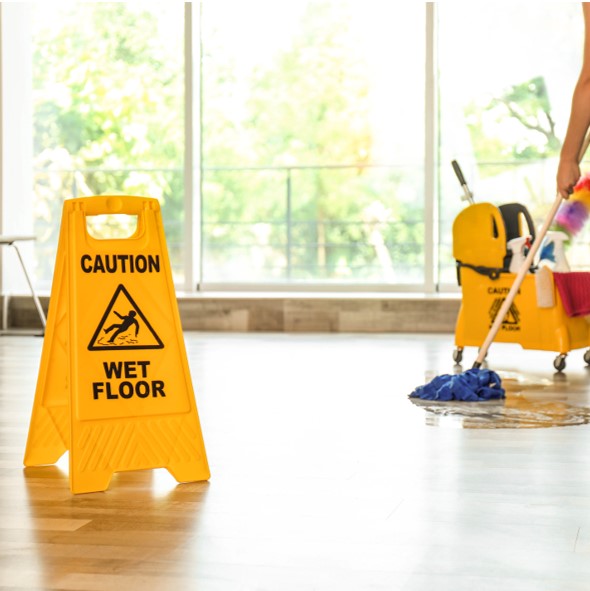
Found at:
<point>504,99</point>
<point>312,127</point>
<point>310,174</point>
<point>108,88</point>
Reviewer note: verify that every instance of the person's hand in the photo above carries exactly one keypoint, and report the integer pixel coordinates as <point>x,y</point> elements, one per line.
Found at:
<point>568,174</point>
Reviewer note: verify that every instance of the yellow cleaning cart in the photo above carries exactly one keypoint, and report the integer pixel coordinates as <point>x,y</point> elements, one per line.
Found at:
<point>536,318</point>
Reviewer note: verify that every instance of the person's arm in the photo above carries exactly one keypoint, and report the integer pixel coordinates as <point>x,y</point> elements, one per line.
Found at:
<point>568,170</point>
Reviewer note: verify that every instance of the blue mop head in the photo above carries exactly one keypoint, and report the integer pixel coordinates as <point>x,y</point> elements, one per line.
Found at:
<point>473,385</point>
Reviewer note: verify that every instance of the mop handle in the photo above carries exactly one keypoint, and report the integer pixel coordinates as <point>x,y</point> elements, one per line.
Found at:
<point>524,269</point>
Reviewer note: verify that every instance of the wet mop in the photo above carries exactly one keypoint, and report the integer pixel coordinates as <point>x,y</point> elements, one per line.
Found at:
<point>477,384</point>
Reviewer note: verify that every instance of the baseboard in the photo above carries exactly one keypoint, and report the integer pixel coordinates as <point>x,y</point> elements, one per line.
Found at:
<point>378,313</point>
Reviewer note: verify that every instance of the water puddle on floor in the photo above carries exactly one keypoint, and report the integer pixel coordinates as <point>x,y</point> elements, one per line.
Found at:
<point>531,403</point>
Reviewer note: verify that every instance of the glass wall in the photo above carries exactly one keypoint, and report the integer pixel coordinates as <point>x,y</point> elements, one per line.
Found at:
<point>108,112</point>
<point>312,126</point>
<point>505,79</point>
<point>313,142</point>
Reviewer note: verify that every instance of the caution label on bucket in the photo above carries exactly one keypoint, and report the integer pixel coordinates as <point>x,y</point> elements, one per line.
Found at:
<point>511,322</point>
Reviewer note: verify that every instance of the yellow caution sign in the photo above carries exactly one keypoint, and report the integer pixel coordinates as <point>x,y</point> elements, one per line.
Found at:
<point>114,387</point>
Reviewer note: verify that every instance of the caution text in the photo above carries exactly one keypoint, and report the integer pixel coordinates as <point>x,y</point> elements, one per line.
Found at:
<point>120,263</point>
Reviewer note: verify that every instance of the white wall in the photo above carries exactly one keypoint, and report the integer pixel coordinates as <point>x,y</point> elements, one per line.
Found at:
<point>16,146</point>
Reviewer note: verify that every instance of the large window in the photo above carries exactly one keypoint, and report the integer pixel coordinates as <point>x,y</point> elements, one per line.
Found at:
<point>108,112</point>
<point>292,145</point>
<point>505,77</point>
<point>313,142</point>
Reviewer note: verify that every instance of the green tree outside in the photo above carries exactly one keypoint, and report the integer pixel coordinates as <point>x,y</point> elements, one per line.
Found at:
<point>108,113</point>
<point>304,112</point>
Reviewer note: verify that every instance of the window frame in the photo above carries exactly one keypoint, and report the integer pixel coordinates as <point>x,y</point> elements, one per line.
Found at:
<point>14,162</point>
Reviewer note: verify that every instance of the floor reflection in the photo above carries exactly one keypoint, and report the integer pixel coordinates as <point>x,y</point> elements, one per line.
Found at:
<point>531,402</point>
<point>144,516</point>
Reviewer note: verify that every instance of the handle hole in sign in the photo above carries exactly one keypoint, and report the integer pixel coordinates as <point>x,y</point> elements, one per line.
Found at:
<point>111,226</point>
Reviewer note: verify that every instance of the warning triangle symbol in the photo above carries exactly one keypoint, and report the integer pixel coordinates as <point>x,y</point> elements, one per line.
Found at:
<point>124,326</point>
<point>512,316</point>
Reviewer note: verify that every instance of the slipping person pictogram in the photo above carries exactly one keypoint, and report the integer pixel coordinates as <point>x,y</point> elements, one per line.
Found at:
<point>125,332</point>
<point>128,322</point>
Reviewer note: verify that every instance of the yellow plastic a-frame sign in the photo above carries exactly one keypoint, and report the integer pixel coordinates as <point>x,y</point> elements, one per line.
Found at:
<point>114,387</point>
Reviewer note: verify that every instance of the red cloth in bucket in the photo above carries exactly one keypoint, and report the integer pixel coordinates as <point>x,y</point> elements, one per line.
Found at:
<point>574,290</point>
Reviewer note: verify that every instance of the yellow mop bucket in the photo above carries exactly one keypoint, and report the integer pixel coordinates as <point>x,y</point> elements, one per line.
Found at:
<point>480,248</point>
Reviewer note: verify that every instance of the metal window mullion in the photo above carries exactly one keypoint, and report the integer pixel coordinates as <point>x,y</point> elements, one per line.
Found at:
<point>430,153</point>
<point>192,147</point>
<point>188,148</point>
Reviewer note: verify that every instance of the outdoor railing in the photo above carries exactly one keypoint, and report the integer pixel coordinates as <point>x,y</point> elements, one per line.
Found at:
<point>287,242</point>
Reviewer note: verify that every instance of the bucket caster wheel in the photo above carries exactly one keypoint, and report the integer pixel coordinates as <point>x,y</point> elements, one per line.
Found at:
<point>559,362</point>
<point>458,355</point>
<point>587,357</point>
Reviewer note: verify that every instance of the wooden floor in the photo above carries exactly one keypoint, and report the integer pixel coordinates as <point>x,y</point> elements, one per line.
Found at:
<point>325,476</point>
